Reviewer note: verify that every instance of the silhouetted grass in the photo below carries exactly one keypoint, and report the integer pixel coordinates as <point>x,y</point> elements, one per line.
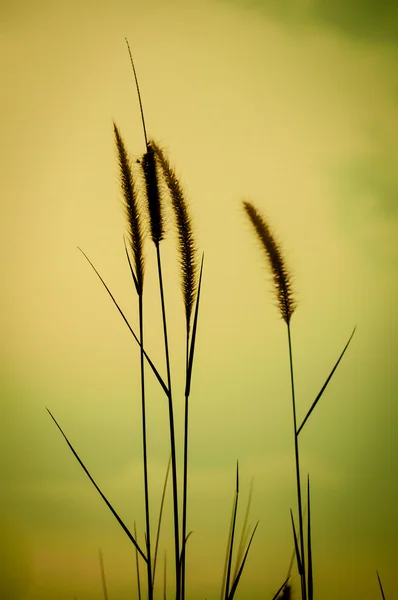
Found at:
<point>155,178</point>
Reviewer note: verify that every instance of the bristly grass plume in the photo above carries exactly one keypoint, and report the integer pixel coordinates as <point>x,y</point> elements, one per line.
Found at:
<point>187,250</point>
<point>131,210</point>
<point>280,273</point>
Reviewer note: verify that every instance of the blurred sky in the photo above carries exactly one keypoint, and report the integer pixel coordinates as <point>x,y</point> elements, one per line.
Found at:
<point>293,108</point>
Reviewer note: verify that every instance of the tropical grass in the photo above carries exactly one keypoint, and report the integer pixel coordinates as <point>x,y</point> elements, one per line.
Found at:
<point>157,181</point>
<point>286,304</point>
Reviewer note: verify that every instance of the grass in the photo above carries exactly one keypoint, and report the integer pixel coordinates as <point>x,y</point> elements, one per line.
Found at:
<point>153,178</point>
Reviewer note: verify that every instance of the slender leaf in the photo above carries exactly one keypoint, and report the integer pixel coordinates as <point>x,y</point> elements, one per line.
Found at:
<point>194,328</point>
<point>232,536</point>
<point>381,587</point>
<point>309,548</point>
<point>281,588</point>
<point>299,562</point>
<point>160,520</point>
<point>158,377</point>
<point>235,583</point>
<point>326,383</point>
<point>119,520</point>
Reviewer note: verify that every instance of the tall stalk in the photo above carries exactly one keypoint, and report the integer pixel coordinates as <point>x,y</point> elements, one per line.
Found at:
<point>297,461</point>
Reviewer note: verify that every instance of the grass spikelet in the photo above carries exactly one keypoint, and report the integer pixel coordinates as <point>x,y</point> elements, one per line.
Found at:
<point>131,210</point>
<point>280,272</point>
<point>149,170</point>
<point>186,243</point>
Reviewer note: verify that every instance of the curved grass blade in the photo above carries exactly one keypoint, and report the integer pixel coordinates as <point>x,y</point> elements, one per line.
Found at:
<point>381,587</point>
<point>103,579</point>
<point>236,581</point>
<point>230,546</point>
<point>160,520</point>
<point>245,533</point>
<point>299,562</point>
<point>155,371</point>
<point>281,588</point>
<point>309,548</point>
<point>119,520</point>
<point>326,382</point>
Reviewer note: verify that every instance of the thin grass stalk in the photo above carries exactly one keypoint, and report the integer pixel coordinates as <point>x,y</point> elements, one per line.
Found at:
<point>297,462</point>
<point>103,579</point>
<point>136,242</point>
<point>160,519</point>
<point>172,432</point>
<point>309,548</point>
<point>145,454</point>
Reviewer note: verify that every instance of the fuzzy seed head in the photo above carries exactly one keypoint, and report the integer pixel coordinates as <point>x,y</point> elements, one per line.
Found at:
<point>280,273</point>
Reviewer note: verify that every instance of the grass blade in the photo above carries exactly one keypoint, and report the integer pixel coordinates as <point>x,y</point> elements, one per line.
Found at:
<point>230,545</point>
<point>194,329</point>
<point>119,520</point>
<point>236,581</point>
<point>160,519</point>
<point>245,533</point>
<point>103,575</point>
<point>155,371</point>
<point>309,548</point>
<point>381,587</point>
<point>281,588</point>
<point>326,382</point>
<point>296,546</point>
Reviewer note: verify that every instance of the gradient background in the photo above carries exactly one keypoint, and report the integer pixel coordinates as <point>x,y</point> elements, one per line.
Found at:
<point>294,109</point>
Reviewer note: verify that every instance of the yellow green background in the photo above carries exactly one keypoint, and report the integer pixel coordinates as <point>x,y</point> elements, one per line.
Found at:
<point>294,110</point>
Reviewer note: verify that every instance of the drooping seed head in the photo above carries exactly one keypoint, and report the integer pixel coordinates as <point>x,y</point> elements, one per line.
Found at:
<point>280,273</point>
<point>186,244</point>
<point>131,209</point>
<point>149,170</point>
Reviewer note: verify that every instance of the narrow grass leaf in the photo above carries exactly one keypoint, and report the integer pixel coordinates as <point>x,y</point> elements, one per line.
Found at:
<point>326,383</point>
<point>155,371</point>
<point>119,520</point>
<point>236,581</point>
<point>245,533</point>
<point>310,581</point>
<point>160,519</point>
<point>230,546</point>
<point>381,587</point>
<point>194,329</point>
<point>298,557</point>
<point>131,266</point>
<point>281,588</point>
<point>103,579</point>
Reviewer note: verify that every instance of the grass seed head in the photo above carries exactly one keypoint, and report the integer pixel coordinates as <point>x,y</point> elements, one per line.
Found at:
<point>186,244</point>
<point>131,208</point>
<point>149,170</point>
<point>280,273</point>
